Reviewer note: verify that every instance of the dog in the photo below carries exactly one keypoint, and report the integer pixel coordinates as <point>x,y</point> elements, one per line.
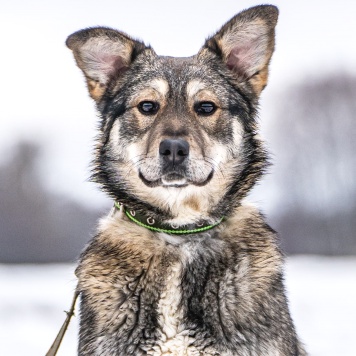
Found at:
<point>182,265</point>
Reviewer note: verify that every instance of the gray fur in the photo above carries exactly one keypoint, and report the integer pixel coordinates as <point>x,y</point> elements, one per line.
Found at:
<point>214,293</point>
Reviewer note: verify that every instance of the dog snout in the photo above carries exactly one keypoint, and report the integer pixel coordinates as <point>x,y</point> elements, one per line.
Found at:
<point>174,151</point>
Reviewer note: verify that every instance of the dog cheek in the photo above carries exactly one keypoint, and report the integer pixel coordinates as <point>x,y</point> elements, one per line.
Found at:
<point>226,148</point>
<point>139,160</point>
<point>237,135</point>
<point>117,142</point>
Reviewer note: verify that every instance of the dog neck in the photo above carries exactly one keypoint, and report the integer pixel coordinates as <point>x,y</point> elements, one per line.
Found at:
<point>154,224</point>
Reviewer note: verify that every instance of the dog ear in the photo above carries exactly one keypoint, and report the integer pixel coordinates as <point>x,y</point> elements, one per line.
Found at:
<point>246,43</point>
<point>102,54</point>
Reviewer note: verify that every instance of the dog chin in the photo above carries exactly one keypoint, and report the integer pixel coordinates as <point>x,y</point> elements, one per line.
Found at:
<point>174,180</point>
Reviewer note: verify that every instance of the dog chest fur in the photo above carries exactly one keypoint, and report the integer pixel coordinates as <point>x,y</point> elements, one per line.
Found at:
<point>145,294</point>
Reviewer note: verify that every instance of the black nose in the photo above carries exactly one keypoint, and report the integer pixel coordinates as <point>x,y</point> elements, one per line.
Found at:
<point>174,151</point>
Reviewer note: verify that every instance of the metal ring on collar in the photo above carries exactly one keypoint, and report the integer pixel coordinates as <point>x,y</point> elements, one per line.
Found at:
<point>150,220</point>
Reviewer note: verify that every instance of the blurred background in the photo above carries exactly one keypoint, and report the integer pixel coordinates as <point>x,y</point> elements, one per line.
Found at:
<point>48,209</point>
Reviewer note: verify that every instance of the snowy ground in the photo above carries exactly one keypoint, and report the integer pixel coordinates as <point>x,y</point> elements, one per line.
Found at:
<point>322,294</point>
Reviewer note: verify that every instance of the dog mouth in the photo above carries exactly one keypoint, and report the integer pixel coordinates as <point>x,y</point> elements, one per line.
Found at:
<point>175,179</point>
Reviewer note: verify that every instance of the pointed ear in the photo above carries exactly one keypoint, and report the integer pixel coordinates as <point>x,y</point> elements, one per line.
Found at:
<point>246,43</point>
<point>102,54</point>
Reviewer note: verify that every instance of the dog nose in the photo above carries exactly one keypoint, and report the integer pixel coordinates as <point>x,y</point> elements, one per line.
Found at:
<point>174,151</point>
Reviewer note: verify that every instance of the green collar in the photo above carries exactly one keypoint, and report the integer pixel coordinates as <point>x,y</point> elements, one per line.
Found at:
<point>150,223</point>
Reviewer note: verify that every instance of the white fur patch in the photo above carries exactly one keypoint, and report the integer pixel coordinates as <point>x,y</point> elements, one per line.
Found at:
<point>238,133</point>
<point>169,311</point>
<point>174,339</point>
<point>160,85</point>
<point>116,147</point>
<point>194,86</point>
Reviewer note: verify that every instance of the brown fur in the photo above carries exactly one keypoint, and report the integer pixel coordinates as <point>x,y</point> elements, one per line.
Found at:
<point>179,145</point>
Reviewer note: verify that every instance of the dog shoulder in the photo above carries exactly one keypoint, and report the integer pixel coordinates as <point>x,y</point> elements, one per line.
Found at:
<point>248,228</point>
<point>256,245</point>
<point>118,252</point>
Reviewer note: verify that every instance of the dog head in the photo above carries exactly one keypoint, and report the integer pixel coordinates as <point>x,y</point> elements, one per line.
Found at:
<point>178,135</point>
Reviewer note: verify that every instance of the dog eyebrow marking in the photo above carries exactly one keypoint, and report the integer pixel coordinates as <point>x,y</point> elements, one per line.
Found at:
<point>200,91</point>
<point>194,86</point>
<point>154,90</point>
<point>160,85</point>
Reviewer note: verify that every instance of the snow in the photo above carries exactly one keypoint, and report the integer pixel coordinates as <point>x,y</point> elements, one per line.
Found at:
<point>321,290</point>
<point>322,294</point>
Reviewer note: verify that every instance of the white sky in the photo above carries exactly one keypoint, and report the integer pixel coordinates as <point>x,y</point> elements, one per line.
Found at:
<point>43,96</point>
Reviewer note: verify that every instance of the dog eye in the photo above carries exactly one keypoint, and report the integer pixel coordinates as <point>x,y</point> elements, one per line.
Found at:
<point>148,107</point>
<point>205,108</point>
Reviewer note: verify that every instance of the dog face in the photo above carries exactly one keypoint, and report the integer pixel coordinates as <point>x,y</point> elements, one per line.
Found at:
<point>178,135</point>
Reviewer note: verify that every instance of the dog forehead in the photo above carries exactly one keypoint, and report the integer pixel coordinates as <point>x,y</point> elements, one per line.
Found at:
<point>175,62</point>
<point>180,74</point>
<point>176,69</point>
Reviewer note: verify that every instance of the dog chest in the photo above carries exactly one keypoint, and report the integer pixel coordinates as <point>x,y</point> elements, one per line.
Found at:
<point>202,295</point>
<point>145,308</point>
<point>174,338</point>
<point>169,307</point>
